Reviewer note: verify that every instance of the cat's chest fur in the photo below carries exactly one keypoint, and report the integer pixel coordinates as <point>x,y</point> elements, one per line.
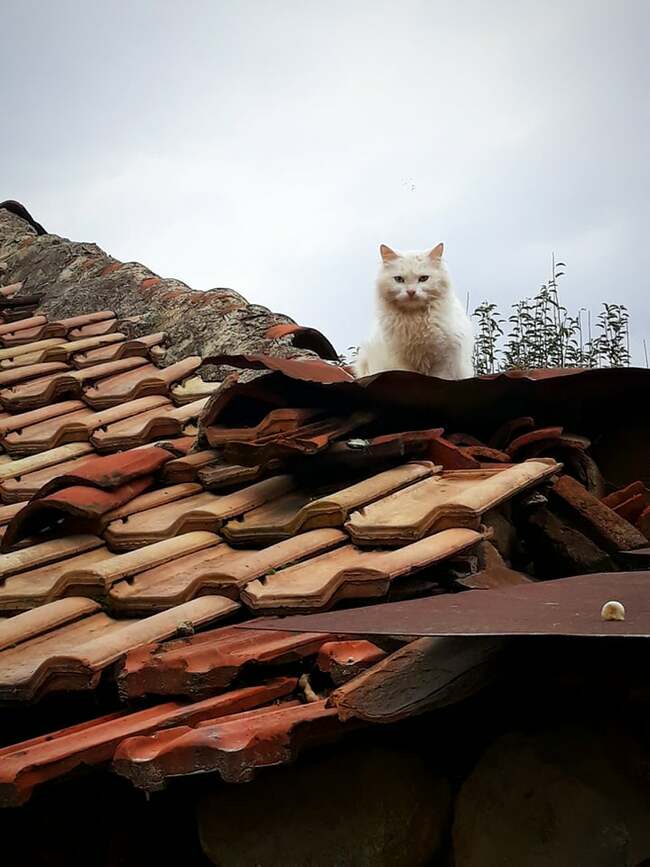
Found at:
<point>422,341</point>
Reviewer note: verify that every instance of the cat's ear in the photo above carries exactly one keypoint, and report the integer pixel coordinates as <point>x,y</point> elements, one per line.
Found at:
<point>387,254</point>
<point>436,253</point>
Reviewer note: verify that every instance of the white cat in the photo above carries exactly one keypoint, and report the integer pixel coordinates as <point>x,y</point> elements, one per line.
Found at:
<point>420,323</point>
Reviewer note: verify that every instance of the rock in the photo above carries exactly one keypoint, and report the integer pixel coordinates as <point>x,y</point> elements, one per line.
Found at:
<point>564,798</point>
<point>80,278</point>
<point>362,806</point>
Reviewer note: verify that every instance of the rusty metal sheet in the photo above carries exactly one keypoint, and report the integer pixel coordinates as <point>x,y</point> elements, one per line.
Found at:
<point>572,398</point>
<point>567,606</point>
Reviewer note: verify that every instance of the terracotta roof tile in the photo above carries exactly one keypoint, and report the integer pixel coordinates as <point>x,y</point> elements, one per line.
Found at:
<point>26,765</point>
<point>138,347</point>
<point>204,511</point>
<point>131,384</point>
<point>192,388</point>
<point>451,499</point>
<point>43,390</point>
<point>164,421</point>
<point>73,509</point>
<point>73,656</point>
<point>219,569</point>
<point>24,627</point>
<point>117,567</point>
<point>343,660</point>
<point>277,421</point>
<point>234,747</point>
<point>14,375</point>
<point>105,326</point>
<point>299,510</point>
<point>211,660</point>
<point>47,583</point>
<point>350,573</point>
<point>44,553</point>
<point>43,460</point>
<point>152,499</point>
<point>185,469</point>
<point>75,427</point>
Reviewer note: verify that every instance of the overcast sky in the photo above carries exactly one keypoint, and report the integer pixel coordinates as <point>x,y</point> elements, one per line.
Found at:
<point>271,146</point>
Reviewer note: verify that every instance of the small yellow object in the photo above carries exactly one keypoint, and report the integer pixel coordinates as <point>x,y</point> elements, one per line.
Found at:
<point>612,611</point>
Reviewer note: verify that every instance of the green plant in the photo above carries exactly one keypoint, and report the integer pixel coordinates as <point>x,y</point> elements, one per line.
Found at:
<point>542,333</point>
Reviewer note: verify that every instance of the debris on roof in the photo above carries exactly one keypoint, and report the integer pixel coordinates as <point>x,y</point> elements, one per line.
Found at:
<point>152,514</point>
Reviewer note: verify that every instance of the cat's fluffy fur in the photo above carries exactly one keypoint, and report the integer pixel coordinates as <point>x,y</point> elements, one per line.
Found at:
<point>420,324</point>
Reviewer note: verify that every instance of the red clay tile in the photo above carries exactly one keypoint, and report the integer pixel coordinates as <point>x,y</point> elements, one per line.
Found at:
<point>305,440</point>
<point>146,380</point>
<point>507,431</point>
<point>304,338</point>
<point>165,421</point>
<point>449,456</point>
<point>25,765</point>
<point>73,509</point>
<point>277,421</point>
<point>612,532</point>
<point>211,660</point>
<point>343,660</point>
<point>138,347</point>
<point>534,436</point>
<point>73,656</point>
<point>93,329</point>
<point>185,469</point>
<point>30,371</point>
<point>235,747</point>
<point>617,497</point>
<point>43,390</point>
<point>111,471</point>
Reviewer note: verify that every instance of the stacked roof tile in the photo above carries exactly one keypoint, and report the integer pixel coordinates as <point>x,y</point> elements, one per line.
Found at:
<point>147,514</point>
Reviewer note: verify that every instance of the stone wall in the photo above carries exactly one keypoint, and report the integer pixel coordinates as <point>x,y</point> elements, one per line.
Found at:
<point>78,278</point>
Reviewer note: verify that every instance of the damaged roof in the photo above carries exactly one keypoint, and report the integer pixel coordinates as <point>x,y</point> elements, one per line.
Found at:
<point>155,501</point>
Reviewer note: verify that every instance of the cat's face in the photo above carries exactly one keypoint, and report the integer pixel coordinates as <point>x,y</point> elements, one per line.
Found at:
<point>411,281</point>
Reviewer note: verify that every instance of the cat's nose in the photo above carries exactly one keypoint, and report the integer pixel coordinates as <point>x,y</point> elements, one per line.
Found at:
<point>410,293</point>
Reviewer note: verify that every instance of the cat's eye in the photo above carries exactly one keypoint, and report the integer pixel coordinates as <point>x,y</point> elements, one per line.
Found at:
<point>398,279</point>
<point>423,278</point>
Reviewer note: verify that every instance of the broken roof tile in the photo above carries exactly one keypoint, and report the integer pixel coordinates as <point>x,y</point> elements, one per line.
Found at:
<point>185,469</point>
<point>308,439</point>
<point>455,498</point>
<point>299,511</point>
<point>25,765</point>
<point>73,656</point>
<point>219,569</point>
<point>350,573</point>
<point>204,511</point>
<point>276,421</point>
<point>211,660</point>
<point>613,532</point>
<point>191,389</point>
<point>343,660</point>
<point>235,747</point>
